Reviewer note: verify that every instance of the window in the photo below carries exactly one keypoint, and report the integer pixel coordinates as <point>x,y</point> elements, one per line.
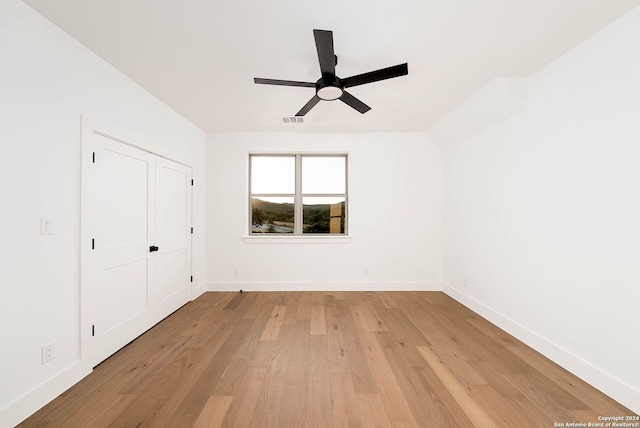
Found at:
<point>298,194</point>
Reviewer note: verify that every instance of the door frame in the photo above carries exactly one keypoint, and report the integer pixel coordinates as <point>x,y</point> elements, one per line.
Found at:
<point>89,129</point>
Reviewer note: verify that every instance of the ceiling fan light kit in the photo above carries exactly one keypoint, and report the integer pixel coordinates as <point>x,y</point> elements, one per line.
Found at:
<point>330,87</point>
<point>329,93</point>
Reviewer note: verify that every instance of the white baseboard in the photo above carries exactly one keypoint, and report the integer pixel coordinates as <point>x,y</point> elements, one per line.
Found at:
<point>326,286</point>
<point>30,402</point>
<point>198,290</point>
<point>615,388</point>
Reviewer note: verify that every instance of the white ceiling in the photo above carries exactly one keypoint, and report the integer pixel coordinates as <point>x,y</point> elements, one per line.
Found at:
<point>200,56</point>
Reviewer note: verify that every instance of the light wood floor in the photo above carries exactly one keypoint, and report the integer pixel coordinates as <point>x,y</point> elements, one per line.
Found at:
<point>403,359</point>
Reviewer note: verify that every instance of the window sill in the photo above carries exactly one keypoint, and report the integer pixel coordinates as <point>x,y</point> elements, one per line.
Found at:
<point>297,239</point>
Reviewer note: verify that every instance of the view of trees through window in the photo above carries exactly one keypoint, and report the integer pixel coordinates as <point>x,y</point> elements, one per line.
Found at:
<point>298,194</point>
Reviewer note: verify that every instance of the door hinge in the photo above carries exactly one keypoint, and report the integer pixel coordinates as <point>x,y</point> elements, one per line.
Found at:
<point>93,330</point>
<point>93,159</point>
<point>191,278</point>
<point>192,230</point>
<point>192,182</point>
<point>93,244</point>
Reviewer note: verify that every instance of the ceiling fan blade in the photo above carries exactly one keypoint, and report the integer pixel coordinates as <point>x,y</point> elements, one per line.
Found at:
<point>326,55</point>
<point>352,101</point>
<point>374,76</point>
<point>308,106</point>
<point>283,82</point>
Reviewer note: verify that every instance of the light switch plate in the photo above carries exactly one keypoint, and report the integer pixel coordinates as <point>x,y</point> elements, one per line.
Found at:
<point>46,226</point>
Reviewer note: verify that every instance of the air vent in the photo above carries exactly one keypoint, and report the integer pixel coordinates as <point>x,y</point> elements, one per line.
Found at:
<point>293,119</point>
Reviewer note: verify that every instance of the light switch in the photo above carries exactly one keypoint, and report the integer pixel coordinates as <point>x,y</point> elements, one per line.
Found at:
<point>46,226</point>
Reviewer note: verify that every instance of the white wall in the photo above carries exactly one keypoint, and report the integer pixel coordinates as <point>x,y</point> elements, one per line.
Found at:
<point>542,214</point>
<point>394,209</point>
<point>47,81</point>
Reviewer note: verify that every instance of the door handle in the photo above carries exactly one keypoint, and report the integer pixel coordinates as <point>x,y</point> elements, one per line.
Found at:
<point>153,248</point>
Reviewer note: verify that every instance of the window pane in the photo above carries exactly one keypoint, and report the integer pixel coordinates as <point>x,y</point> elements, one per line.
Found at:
<point>323,175</point>
<point>323,215</point>
<point>273,174</point>
<point>271,215</point>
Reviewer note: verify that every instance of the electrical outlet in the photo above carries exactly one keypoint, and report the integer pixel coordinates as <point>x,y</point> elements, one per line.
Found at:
<point>236,271</point>
<point>47,226</point>
<point>366,271</point>
<point>465,282</point>
<point>48,352</point>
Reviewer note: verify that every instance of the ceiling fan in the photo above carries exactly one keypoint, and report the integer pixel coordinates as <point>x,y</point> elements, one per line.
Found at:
<point>330,87</point>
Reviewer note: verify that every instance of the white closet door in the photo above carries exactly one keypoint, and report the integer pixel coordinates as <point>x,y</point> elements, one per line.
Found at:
<point>173,236</point>
<point>136,242</point>
<point>121,215</point>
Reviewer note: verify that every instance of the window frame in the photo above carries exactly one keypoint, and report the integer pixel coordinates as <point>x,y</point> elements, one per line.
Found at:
<point>298,197</point>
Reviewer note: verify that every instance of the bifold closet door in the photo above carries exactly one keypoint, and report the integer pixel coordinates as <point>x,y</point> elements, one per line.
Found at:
<point>138,214</point>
